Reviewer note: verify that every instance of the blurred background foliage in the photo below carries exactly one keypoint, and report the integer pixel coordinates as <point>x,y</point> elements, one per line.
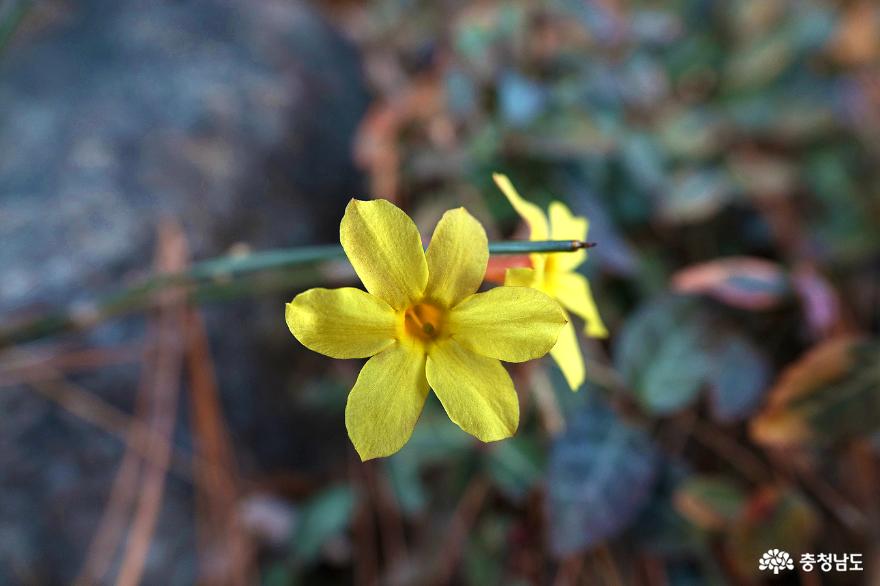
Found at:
<point>726,155</point>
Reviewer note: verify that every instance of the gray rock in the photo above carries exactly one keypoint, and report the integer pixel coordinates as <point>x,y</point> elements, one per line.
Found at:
<point>233,116</point>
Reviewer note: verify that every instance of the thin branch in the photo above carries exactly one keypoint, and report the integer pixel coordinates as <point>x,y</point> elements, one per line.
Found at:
<point>123,491</point>
<point>366,564</point>
<point>654,571</point>
<point>569,571</point>
<point>548,407</point>
<point>741,458</point>
<point>229,266</point>
<point>226,552</point>
<point>845,512</point>
<point>207,277</point>
<point>92,409</point>
<point>26,364</point>
<point>462,522</point>
<point>167,366</point>
<point>606,559</point>
<point>390,521</point>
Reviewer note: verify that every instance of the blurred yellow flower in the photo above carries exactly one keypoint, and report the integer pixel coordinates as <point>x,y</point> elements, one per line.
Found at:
<point>424,325</point>
<point>555,275</point>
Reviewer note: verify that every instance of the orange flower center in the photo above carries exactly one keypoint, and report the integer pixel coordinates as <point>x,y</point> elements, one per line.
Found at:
<point>423,321</point>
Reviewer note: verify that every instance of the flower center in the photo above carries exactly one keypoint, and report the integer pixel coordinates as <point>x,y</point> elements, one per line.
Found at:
<point>423,321</point>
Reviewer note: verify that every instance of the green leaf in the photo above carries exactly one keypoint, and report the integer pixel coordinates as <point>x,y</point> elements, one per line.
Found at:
<point>673,347</point>
<point>323,517</point>
<point>696,195</point>
<point>738,378</point>
<point>659,354</point>
<point>644,161</point>
<point>660,529</point>
<point>710,502</point>
<point>516,465</point>
<point>435,439</point>
<point>601,473</point>
<point>691,134</point>
<point>763,175</point>
<point>481,554</point>
<point>759,63</point>
<point>279,574</point>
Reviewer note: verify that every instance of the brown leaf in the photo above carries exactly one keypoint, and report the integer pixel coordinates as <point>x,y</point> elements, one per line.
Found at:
<point>804,391</point>
<point>857,39</point>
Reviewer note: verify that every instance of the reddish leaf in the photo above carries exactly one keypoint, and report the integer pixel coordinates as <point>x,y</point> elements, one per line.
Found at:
<point>743,282</point>
<point>773,518</point>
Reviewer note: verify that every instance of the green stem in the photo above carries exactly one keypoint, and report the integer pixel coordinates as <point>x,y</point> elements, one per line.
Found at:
<point>275,259</point>
<point>210,278</point>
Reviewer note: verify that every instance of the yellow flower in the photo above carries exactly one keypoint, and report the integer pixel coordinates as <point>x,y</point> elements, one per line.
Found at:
<point>555,275</point>
<point>423,323</point>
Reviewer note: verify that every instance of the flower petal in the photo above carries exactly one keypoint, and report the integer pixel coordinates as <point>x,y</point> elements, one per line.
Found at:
<point>573,291</point>
<point>520,277</point>
<point>566,226</point>
<point>567,354</point>
<point>532,214</point>
<point>457,257</point>
<point>514,324</point>
<point>476,391</point>
<point>341,323</point>
<point>384,246</point>
<point>386,401</point>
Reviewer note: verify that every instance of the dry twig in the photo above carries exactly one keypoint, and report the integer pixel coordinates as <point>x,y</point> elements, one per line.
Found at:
<point>226,551</point>
<point>462,521</point>
<point>167,365</point>
<point>366,564</point>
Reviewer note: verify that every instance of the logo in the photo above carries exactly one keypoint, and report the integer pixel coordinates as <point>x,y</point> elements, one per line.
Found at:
<point>775,560</point>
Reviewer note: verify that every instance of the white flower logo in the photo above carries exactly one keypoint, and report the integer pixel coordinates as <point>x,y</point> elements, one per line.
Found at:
<point>775,560</point>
